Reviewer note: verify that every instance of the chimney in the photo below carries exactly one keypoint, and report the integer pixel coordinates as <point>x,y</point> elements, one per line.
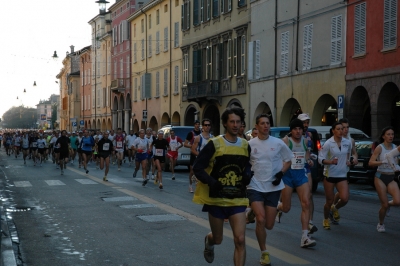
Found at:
<point>72,48</point>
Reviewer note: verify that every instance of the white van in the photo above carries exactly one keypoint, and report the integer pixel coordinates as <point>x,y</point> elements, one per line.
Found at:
<point>323,132</point>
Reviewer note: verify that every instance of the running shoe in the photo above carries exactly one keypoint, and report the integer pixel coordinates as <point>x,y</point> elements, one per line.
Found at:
<point>312,228</point>
<point>208,251</point>
<point>144,182</point>
<point>334,215</point>
<point>250,216</point>
<point>278,216</point>
<point>155,181</point>
<point>190,189</point>
<point>160,186</point>
<point>24,162</point>
<point>264,260</point>
<point>380,228</point>
<point>307,242</point>
<point>119,169</point>
<point>194,179</point>
<point>173,177</point>
<point>62,172</point>
<point>326,225</point>
<point>153,177</point>
<point>87,171</point>
<point>134,174</point>
<point>105,178</point>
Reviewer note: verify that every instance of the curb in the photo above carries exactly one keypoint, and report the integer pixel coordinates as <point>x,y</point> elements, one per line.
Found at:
<point>7,250</point>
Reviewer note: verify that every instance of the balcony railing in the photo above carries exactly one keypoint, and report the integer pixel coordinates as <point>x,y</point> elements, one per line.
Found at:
<point>119,84</point>
<point>203,91</point>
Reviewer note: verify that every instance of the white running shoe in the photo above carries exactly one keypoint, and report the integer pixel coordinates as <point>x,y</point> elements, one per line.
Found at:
<point>380,228</point>
<point>307,242</point>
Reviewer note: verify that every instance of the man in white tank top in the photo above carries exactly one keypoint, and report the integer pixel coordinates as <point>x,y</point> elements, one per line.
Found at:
<point>201,140</point>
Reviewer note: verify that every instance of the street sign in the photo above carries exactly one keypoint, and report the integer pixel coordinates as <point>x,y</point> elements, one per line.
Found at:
<point>43,117</point>
<point>340,106</point>
<point>81,123</point>
<point>74,124</point>
<point>145,115</point>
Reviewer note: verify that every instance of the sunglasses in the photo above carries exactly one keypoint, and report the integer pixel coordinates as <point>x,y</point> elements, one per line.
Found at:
<point>207,125</point>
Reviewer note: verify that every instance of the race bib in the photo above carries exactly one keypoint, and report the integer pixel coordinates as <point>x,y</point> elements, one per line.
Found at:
<point>119,144</point>
<point>298,160</point>
<point>173,146</point>
<point>34,144</point>
<point>159,152</point>
<point>106,146</point>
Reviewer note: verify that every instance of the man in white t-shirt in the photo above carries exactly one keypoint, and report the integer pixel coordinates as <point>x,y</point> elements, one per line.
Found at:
<point>270,158</point>
<point>129,142</point>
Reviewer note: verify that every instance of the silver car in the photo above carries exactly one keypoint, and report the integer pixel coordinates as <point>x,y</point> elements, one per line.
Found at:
<point>183,153</point>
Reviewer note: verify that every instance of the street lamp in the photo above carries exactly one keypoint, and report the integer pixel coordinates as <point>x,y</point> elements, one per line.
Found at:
<point>102,5</point>
<point>55,56</point>
<point>24,91</point>
<point>34,84</point>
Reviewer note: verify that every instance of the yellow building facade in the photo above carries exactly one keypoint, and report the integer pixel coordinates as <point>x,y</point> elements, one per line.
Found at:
<point>156,65</point>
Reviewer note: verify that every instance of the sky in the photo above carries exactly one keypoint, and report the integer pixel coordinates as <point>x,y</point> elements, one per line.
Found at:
<point>31,31</point>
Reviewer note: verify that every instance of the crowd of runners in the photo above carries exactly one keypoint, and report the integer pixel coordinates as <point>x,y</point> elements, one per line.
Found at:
<point>239,179</point>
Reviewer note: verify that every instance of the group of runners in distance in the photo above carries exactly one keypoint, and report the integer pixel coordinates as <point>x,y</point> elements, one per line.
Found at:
<point>238,179</point>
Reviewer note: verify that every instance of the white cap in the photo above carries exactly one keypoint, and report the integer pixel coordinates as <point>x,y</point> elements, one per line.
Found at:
<point>304,117</point>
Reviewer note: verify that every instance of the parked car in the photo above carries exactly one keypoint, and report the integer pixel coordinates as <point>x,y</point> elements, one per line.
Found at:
<point>316,170</point>
<point>183,153</point>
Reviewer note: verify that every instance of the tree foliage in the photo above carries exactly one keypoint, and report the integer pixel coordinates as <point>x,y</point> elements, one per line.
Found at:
<point>20,117</point>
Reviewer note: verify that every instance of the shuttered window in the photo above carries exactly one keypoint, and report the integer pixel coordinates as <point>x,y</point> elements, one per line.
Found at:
<point>176,80</point>
<point>390,24</point>
<point>360,28</point>
<point>336,39</point>
<point>284,52</point>
<point>165,81</point>
<point>307,46</point>
<point>166,39</point>
<point>150,48</point>
<point>158,84</point>
<point>157,42</point>
<point>176,34</point>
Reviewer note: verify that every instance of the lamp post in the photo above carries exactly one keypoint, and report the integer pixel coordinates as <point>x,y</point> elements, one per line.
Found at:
<point>55,56</point>
<point>34,84</point>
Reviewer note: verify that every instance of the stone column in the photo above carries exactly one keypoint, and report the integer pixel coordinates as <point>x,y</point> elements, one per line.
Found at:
<point>114,120</point>
<point>119,125</point>
<point>126,122</point>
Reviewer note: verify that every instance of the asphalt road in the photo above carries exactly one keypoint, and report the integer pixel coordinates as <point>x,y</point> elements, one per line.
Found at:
<point>77,219</point>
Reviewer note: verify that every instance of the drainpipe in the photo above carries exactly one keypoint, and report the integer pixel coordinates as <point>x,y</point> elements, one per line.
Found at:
<point>95,73</point>
<point>297,36</point>
<point>170,62</point>
<point>145,25</point>
<point>275,64</point>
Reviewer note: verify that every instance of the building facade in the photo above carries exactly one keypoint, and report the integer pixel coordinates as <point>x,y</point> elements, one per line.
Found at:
<point>85,121</point>
<point>47,112</point>
<point>214,59</point>
<point>373,65</point>
<point>297,59</point>
<point>156,65</point>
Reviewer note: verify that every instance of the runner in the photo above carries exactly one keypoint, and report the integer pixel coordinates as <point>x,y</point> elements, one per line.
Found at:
<point>105,146</point>
<point>25,146</point>
<point>74,146</point>
<point>119,148</point>
<point>129,142</point>
<point>86,144</point>
<point>270,158</point>
<point>41,143</point>
<point>141,147</point>
<point>79,149</point>
<point>188,144</point>
<point>383,158</point>
<point>17,144</point>
<point>63,144</point>
<point>56,149</point>
<point>34,148</point>
<point>175,143</point>
<point>335,156</point>
<point>254,133</point>
<point>111,137</point>
<point>305,118</point>
<point>296,178</point>
<point>160,147</point>
<point>220,168</point>
<point>7,145</point>
<point>150,160</point>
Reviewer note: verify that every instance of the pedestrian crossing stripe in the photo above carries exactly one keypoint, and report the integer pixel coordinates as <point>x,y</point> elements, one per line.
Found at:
<point>54,182</point>
<point>86,182</point>
<point>22,184</point>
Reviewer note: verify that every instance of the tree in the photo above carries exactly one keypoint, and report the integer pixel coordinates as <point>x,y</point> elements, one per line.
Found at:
<point>19,117</point>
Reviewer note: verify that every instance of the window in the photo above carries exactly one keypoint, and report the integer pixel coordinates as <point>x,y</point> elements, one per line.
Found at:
<point>158,84</point>
<point>143,49</point>
<point>165,81</point>
<point>359,28</point>
<point>208,62</point>
<point>197,66</point>
<point>208,10</point>
<point>197,11</point>
<point>93,98</point>
<point>108,63</point>
<point>185,16</point>
<point>135,90</point>
<point>121,68</point>
<point>158,16</point>
<point>254,59</point>
<point>150,41</point>
<point>226,6</point>
<point>134,30</point>
<point>149,21</point>
<point>390,24</point>
<point>89,76</point>
<point>142,25</point>
<point>215,8</point>
<point>157,42</point>
<point>134,53</point>
<point>185,69</point>
<point>82,102</point>
<point>284,52</point>
<point>165,39</point>
<point>243,55</point>
<point>307,46</point>
<point>165,8</point>
<point>176,80</point>
<point>336,39</point>
<point>241,3</point>
<point>176,34</point>
<point>234,69</point>
<point>128,70</point>
<point>229,59</point>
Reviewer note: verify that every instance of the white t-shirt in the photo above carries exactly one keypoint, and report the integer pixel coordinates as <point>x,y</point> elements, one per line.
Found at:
<point>331,150</point>
<point>41,143</point>
<point>129,140</point>
<point>267,157</point>
<point>142,144</point>
<point>112,138</point>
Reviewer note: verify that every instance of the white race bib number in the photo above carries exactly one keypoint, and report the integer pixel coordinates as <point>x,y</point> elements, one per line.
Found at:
<point>159,152</point>
<point>298,160</point>
<point>106,146</point>
<point>119,144</point>
<point>34,144</point>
